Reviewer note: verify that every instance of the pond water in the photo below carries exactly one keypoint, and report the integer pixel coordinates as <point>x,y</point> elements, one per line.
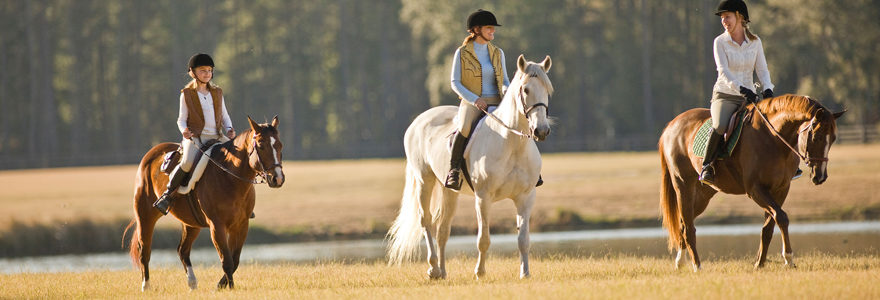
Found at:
<point>713,241</point>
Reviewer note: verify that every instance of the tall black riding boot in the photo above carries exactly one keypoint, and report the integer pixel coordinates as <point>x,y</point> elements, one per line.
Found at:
<point>453,180</point>
<point>174,181</point>
<point>707,175</point>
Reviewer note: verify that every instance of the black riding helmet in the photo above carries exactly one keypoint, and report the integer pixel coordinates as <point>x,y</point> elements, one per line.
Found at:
<point>733,6</point>
<point>481,18</point>
<point>199,60</point>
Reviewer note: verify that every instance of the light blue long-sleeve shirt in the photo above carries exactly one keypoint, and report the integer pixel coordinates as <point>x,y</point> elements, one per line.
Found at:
<point>490,88</point>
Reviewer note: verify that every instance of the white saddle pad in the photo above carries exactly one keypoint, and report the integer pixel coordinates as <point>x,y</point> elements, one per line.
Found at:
<point>197,171</point>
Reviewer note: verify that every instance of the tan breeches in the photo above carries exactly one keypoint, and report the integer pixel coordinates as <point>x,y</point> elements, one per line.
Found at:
<point>722,107</point>
<point>468,113</point>
<point>191,149</point>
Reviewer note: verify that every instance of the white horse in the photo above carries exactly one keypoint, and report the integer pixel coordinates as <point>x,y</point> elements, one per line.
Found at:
<point>503,161</point>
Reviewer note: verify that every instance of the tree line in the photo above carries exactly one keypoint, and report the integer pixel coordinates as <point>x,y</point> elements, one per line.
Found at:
<point>86,82</point>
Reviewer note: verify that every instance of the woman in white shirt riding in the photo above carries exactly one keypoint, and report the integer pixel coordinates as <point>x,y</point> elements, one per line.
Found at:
<point>738,55</point>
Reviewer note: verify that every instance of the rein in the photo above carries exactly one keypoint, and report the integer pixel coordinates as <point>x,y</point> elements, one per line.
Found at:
<point>262,174</point>
<point>804,157</point>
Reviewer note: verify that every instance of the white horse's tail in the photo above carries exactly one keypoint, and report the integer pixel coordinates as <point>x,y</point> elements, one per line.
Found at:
<point>406,231</point>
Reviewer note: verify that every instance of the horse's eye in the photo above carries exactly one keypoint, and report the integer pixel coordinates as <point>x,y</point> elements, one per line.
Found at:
<point>526,90</point>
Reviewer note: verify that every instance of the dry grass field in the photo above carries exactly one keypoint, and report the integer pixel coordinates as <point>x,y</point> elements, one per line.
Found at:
<point>817,276</point>
<point>354,195</point>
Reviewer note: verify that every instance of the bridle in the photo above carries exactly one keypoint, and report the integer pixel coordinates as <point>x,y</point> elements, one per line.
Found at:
<point>525,111</point>
<point>263,173</point>
<point>804,157</point>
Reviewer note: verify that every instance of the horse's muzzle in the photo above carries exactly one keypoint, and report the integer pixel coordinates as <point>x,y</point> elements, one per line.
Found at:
<point>541,133</point>
<point>818,177</point>
<point>275,180</point>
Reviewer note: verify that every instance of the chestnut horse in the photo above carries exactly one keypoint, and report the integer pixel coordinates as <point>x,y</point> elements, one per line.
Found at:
<point>781,132</point>
<point>225,199</point>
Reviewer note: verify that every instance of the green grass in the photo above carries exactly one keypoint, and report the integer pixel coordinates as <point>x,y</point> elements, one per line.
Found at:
<point>556,276</point>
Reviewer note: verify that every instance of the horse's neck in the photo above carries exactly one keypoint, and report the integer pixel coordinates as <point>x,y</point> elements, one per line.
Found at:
<point>788,123</point>
<point>508,112</point>
<point>236,159</point>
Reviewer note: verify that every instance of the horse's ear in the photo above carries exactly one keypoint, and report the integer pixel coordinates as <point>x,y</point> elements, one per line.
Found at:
<point>546,64</point>
<point>254,126</point>
<point>838,114</point>
<point>521,63</point>
<point>275,122</point>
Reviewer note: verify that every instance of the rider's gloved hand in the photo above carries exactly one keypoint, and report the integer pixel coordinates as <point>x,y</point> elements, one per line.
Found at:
<point>751,97</point>
<point>768,93</point>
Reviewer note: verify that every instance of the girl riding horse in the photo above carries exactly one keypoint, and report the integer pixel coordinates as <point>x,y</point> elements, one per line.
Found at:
<point>203,117</point>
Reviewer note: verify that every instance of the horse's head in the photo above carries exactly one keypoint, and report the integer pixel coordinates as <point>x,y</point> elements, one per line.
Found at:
<point>264,155</point>
<point>815,138</point>
<point>534,93</point>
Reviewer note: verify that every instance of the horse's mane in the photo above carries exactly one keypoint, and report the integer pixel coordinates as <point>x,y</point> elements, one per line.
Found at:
<point>535,70</point>
<point>790,103</point>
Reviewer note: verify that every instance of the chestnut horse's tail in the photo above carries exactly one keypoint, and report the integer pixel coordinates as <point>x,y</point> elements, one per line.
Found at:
<point>669,203</point>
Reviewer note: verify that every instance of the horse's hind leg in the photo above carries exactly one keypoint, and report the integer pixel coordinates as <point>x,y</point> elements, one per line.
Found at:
<point>449,202</point>
<point>142,240</point>
<point>187,238</point>
<point>689,200</point>
<point>425,195</point>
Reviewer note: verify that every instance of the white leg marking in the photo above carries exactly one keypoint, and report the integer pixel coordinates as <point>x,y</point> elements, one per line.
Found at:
<point>678,259</point>
<point>145,286</point>
<point>191,278</point>
<point>789,258</point>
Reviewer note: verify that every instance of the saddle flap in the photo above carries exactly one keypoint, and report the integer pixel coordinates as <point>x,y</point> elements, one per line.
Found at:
<point>170,160</point>
<point>701,138</point>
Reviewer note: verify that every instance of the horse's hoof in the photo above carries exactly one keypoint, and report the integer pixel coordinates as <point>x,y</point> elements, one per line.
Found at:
<point>435,273</point>
<point>223,283</point>
<point>479,273</point>
<point>193,284</point>
<point>145,286</point>
<point>524,276</point>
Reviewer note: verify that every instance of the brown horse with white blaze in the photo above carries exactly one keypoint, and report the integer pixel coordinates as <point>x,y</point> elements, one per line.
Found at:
<point>761,167</point>
<point>225,199</point>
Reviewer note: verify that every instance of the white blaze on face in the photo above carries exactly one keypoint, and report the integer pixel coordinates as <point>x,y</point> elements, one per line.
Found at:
<point>279,173</point>
<point>825,153</point>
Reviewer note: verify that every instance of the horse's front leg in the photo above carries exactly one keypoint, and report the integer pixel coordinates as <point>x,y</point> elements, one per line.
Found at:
<point>221,243</point>
<point>523,214</point>
<point>482,205</point>
<point>188,236</point>
<point>766,237</point>
<point>767,201</point>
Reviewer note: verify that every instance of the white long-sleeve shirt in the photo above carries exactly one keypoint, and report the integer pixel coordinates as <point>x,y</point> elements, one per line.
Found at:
<point>207,103</point>
<point>736,65</point>
<point>490,88</point>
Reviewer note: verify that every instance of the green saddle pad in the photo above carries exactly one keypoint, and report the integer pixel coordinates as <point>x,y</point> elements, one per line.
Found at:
<point>702,138</point>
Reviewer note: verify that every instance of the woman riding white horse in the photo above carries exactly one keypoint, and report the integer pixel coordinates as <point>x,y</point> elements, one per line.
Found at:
<point>503,163</point>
